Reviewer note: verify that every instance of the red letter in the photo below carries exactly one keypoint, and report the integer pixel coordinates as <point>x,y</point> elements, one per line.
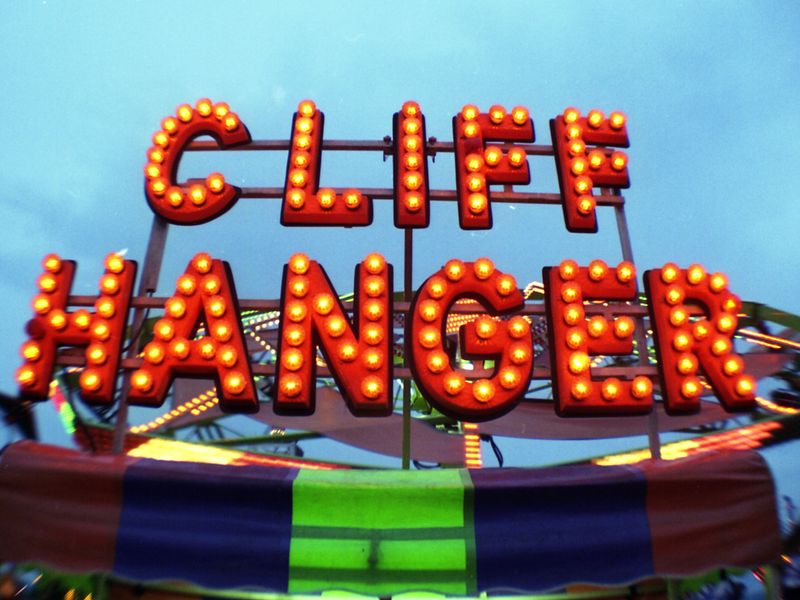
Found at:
<point>477,166</point>
<point>508,342</point>
<point>102,331</point>
<point>199,201</point>
<point>205,292</point>
<point>303,202</point>
<point>411,203</point>
<point>684,345</point>
<point>360,361</point>
<point>580,169</point>
<point>573,339</point>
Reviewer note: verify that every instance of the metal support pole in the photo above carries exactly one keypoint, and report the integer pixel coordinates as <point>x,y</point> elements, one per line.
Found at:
<point>147,286</point>
<point>641,336</point>
<point>407,283</point>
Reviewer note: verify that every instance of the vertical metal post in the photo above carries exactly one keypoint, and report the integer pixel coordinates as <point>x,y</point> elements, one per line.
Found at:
<point>147,286</point>
<point>641,336</point>
<point>407,283</point>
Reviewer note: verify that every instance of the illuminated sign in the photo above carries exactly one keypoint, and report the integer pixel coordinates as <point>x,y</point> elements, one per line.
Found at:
<point>588,308</point>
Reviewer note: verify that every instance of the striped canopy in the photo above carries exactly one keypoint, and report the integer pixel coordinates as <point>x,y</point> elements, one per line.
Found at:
<point>383,532</point>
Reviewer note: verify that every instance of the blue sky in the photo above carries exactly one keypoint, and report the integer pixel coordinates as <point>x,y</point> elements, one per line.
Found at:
<point>710,88</point>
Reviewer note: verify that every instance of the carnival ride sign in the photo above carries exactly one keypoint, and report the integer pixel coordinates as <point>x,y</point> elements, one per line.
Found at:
<point>693,315</point>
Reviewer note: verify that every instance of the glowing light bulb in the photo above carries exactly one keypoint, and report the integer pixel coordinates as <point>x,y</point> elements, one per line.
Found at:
<point>595,118</point>
<point>335,326</point>
<point>373,334</point>
<point>222,332</point>
<point>623,327</point>
<point>577,147</point>
<point>31,351</point>
<point>81,319</point>
<point>483,268</point>
<point>477,203</point>
<point>582,185</point>
<point>208,349</point>
<point>437,362</point>
<point>412,126</point>
<point>234,383</point>
<point>485,327</point>
<point>197,194</point>
<point>518,327</point>
<point>142,381</point>
<point>185,113</point>
<point>155,155</point>
<point>509,377</point>
<point>596,159</point>
<point>304,125</point>
<point>301,160</point>
<point>298,177</point>
<point>496,114</point>
<point>619,160</point>
<point>26,377</point>
<point>412,181</point>
<point>616,120</point>
<point>227,357</point>
<point>597,326</point>
<point>429,337</point>
<point>412,161</point>
<point>454,383</point>
<point>204,107</point>
<point>347,352</point>
<point>216,306</point>
<point>158,186</point>
<point>733,366</point>
<point>575,339</point>
<point>179,349</point>
<point>216,182</point>
<point>105,307</point>
<point>520,115</point>
<point>161,138</point>
<point>164,329</point>
<point>574,132</point>
<point>187,285</point>
<point>152,171</point>
<point>695,274</point>
<point>412,143</point>
<point>717,282</point>
<point>469,112</point>
<point>375,264</point>
<point>474,163</point>
<point>641,387</point>
<point>492,155</point>
<point>674,295</point>
<point>578,166</point>
<point>573,314</point>
<point>90,380</point>
<point>175,196</point>
<point>678,316</point>
<point>374,286</point>
<point>101,331</point>
<point>221,110</point>
<point>454,270</point>
<point>326,198</point>
<point>578,362</point>
<point>323,303</point>
<point>483,391</point>
<point>352,199</point>
<point>570,292</point>
<point>571,115</point>
<point>96,354</point>
<point>581,389</point>
<point>611,389</point>
<point>519,354</point>
<point>410,109</point>
<point>296,311</point>
<point>298,287</point>
<point>299,264</point>
<point>373,360</point>
<point>176,307</point>
<point>700,330</point>
<point>292,359</point>
<point>745,386</point>
<point>371,387</point>
<point>681,342</point>
<point>291,386</point>
<point>567,269</point>
<point>470,129</point>
<point>597,270</point>
<point>687,364</point>
<point>307,108</point>
<point>294,335</point>
<point>691,388</point>
<point>154,353</point>
<point>669,273</point>
<point>506,285</point>
<point>413,202</point>
<point>586,204</point>
<point>373,310</point>
<point>302,142</point>
<point>626,272</point>
<point>720,346</point>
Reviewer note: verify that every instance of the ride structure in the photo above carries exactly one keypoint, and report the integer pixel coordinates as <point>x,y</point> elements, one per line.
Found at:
<point>478,365</point>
